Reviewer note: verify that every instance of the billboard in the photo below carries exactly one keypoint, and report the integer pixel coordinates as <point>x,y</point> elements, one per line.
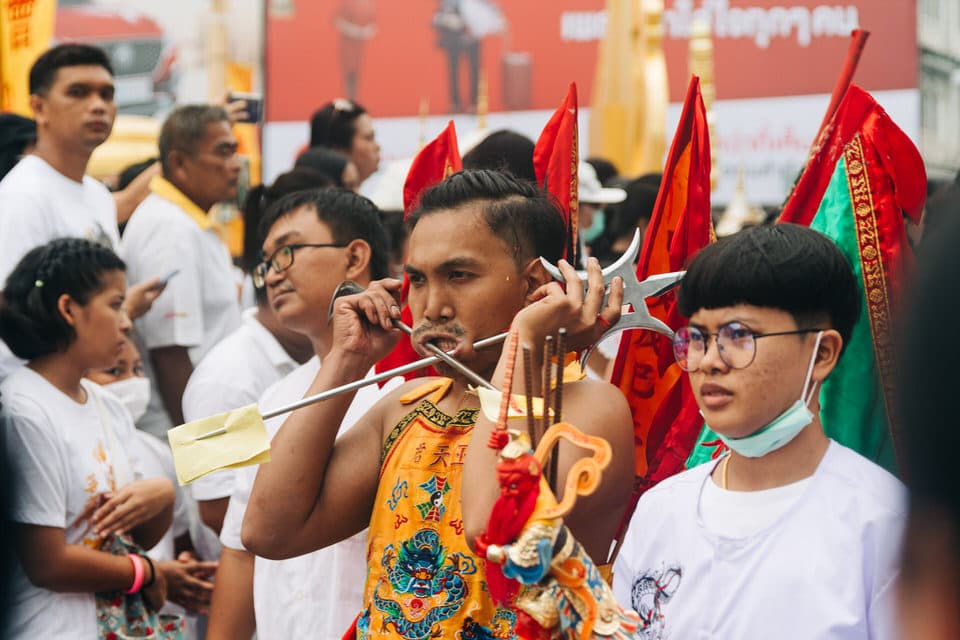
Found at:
<point>775,64</point>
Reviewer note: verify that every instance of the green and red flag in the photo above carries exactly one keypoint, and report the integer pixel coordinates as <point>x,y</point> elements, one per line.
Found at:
<point>555,161</point>
<point>436,161</point>
<point>864,175</point>
<point>666,419</point>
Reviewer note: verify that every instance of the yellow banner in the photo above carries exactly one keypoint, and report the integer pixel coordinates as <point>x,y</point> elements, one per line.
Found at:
<point>26,30</point>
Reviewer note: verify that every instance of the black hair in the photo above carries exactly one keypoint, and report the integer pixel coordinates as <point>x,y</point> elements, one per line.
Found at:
<point>71,54</point>
<point>327,161</point>
<point>783,266</point>
<point>334,124</point>
<point>259,199</point>
<point>605,169</point>
<point>518,212</point>
<point>503,150</point>
<point>185,128</point>
<point>348,215</point>
<point>30,322</point>
<point>16,133</point>
<point>130,172</point>
<point>622,218</point>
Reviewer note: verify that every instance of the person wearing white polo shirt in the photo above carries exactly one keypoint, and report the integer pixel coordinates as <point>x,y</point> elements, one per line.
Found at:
<point>170,234</point>
<point>234,374</point>
<point>315,240</point>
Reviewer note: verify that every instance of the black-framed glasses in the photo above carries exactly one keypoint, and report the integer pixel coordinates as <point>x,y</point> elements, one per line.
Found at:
<point>736,344</point>
<point>282,259</point>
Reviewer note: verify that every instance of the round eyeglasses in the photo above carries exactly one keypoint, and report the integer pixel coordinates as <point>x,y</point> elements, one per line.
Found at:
<point>736,344</point>
<point>282,259</point>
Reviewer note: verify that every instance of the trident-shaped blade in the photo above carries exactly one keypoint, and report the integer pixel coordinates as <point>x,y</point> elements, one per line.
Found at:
<point>635,293</point>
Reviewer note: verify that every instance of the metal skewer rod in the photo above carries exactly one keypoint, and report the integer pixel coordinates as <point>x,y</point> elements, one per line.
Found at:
<point>413,366</point>
<point>468,373</point>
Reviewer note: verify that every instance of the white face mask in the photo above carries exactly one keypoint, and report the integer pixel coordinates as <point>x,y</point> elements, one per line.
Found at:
<point>134,393</point>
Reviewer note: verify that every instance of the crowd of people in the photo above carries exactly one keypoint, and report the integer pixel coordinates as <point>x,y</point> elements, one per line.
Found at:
<point>123,315</point>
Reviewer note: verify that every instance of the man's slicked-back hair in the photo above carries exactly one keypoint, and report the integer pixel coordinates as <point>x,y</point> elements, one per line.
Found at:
<point>185,128</point>
<point>518,212</point>
<point>71,54</point>
<point>783,266</point>
<point>348,215</point>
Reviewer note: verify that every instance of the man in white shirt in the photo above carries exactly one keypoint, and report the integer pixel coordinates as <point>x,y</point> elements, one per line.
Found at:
<point>234,374</point>
<point>789,535</point>
<point>171,235</point>
<point>323,238</point>
<point>46,195</point>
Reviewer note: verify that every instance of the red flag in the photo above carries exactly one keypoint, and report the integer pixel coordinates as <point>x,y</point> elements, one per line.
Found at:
<point>665,416</point>
<point>555,160</point>
<point>437,160</point>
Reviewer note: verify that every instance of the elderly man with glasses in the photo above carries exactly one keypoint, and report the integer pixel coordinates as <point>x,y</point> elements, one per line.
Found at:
<point>790,534</point>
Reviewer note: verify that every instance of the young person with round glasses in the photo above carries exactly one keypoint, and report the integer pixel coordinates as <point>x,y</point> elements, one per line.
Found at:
<point>790,534</point>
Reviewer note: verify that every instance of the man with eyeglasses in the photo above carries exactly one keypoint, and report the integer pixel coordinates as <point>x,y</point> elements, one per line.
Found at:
<point>790,534</point>
<point>171,235</point>
<point>312,241</point>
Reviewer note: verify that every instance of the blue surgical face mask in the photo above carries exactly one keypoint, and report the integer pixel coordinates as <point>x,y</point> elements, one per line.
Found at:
<point>593,232</point>
<point>784,427</point>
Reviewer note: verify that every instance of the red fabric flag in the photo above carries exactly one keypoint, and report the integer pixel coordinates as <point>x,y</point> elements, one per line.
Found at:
<point>437,160</point>
<point>665,416</point>
<point>555,160</point>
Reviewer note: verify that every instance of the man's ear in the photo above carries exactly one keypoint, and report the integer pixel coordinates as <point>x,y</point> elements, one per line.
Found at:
<point>534,276</point>
<point>828,353</point>
<point>67,308</point>
<point>358,260</point>
<point>38,106</point>
<point>176,161</point>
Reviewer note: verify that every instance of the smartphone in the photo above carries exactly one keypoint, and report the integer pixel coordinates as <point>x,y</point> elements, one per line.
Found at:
<point>165,279</point>
<point>253,111</point>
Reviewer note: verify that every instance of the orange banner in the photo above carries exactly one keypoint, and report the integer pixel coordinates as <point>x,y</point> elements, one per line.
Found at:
<point>665,420</point>
<point>26,29</point>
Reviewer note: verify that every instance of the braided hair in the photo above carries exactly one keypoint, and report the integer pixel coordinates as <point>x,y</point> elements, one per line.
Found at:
<point>30,321</point>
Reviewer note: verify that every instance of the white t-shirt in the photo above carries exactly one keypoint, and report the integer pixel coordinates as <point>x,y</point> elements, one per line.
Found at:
<point>61,454</point>
<point>234,374</point>
<point>39,204</point>
<point>317,595</point>
<point>825,568</point>
<point>199,306</point>
<point>738,514</point>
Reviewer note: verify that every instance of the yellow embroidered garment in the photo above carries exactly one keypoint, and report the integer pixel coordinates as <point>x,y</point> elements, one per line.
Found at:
<point>422,579</point>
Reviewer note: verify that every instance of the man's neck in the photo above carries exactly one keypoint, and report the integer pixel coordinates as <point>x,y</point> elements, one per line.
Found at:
<point>791,463</point>
<point>71,163</point>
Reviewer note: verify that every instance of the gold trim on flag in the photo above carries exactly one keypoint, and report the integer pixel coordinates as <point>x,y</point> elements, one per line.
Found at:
<point>874,277</point>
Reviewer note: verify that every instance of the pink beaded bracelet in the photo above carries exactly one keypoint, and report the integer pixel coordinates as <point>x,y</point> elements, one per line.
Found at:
<point>137,573</point>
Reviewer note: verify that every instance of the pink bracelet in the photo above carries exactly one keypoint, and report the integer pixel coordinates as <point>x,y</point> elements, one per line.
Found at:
<point>137,573</point>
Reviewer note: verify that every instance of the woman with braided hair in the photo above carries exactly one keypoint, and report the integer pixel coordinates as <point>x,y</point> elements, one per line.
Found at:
<point>69,443</point>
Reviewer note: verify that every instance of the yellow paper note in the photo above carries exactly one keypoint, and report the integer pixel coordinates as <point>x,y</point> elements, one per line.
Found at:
<point>490,405</point>
<point>243,442</point>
